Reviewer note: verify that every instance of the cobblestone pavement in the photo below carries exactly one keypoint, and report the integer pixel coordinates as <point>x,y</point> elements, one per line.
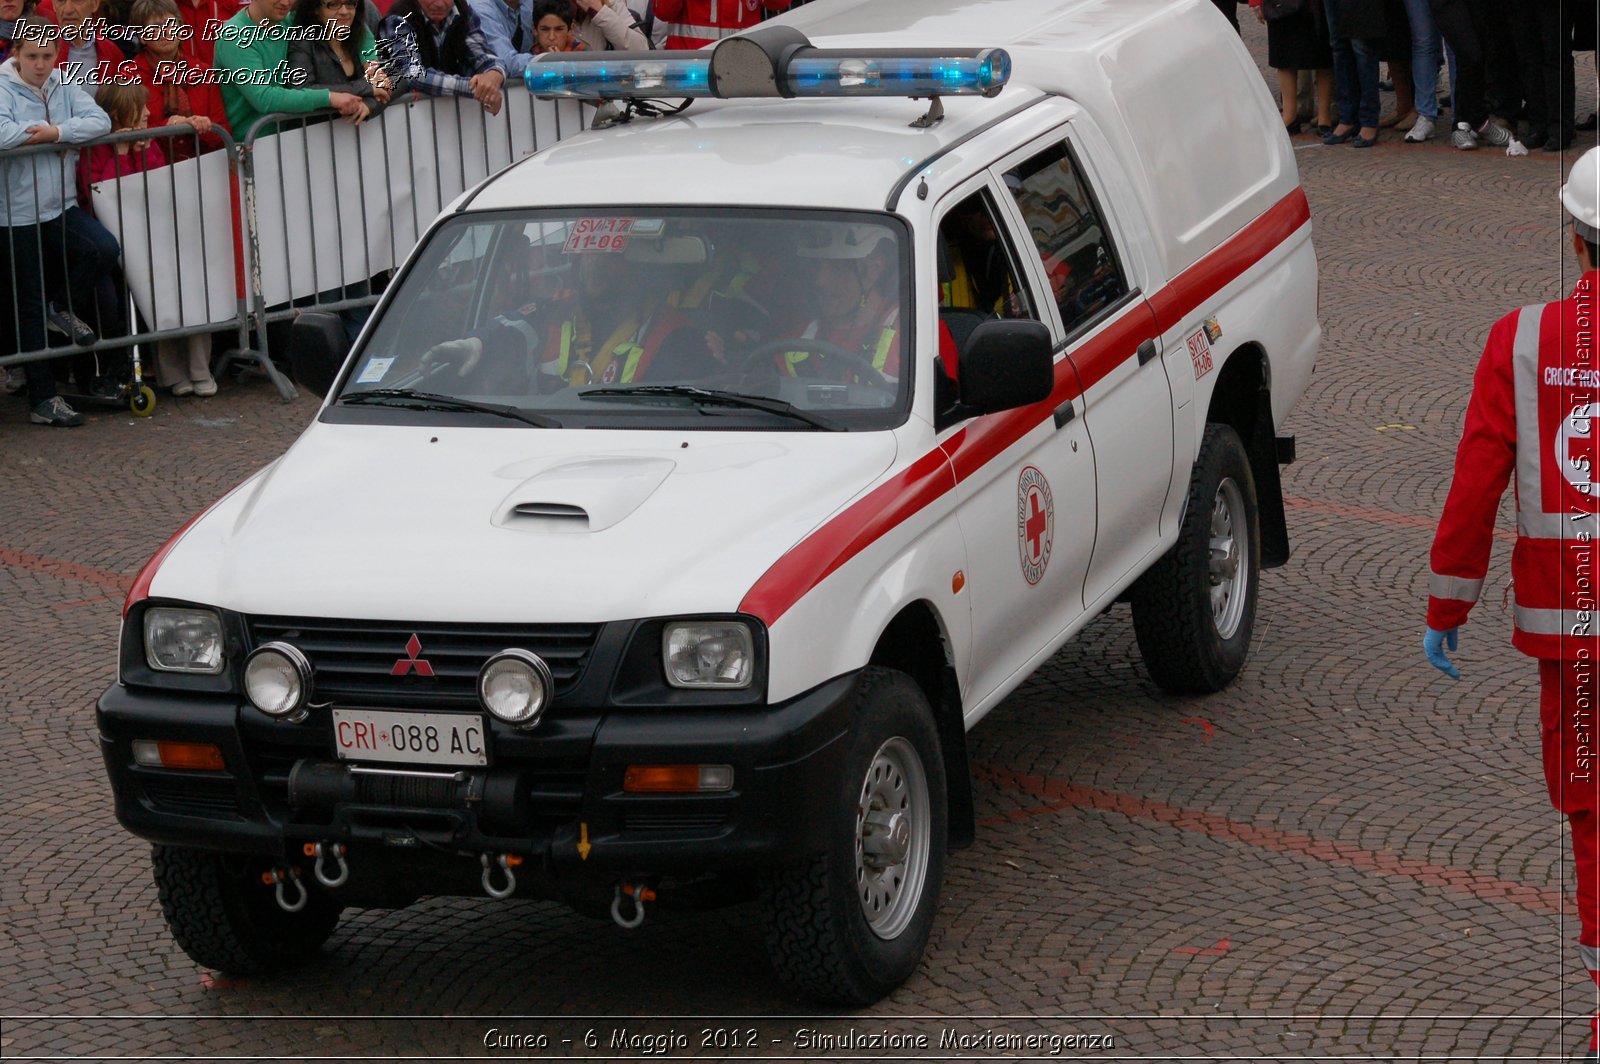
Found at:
<point>1344,854</point>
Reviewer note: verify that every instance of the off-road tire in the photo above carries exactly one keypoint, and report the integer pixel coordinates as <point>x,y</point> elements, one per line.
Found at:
<point>818,936</point>
<point>1173,619</point>
<point>225,918</point>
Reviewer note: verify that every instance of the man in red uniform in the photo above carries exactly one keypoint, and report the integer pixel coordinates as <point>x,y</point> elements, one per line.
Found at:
<point>693,23</point>
<point>1535,409</point>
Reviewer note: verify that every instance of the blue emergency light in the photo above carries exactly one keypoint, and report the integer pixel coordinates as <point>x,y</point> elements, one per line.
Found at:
<point>982,74</point>
<point>622,74</point>
<point>774,60</point>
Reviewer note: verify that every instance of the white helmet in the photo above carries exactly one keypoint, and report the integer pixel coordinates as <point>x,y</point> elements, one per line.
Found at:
<point>1581,195</point>
<point>841,240</point>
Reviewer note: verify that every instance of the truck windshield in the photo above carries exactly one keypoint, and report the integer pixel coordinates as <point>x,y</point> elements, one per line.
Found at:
<point>650,319</point>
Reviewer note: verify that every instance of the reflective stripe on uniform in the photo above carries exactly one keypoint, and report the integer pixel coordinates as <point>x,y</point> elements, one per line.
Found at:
<point>1554,622</point>
<point>1590,955</point>
<point>1458,588</point>
<point>1531,519</point>
<point>885,344</point>
<point>705,33</point>
<point>1540,525</point>
<point>565,353</point>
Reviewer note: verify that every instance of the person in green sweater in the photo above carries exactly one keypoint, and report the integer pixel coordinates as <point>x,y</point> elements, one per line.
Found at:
<point>253,46</point>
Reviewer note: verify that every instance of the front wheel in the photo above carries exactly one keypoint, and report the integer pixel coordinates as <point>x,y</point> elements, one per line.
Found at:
<point>850,925</point>
<point>142,401</point>
<point>225,918</point>
<point>1194,610</point>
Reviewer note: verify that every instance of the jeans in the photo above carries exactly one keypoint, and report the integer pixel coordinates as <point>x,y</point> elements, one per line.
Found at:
<point>1355,74</point>
<point>66,259</point>
<point>1425,57</point>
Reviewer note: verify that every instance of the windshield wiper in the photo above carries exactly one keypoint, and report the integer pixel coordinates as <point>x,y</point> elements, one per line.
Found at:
<point>717,397</point>
<point>434,401</point>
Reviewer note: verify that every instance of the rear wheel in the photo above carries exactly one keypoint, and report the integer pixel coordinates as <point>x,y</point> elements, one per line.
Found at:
<point>1194,610</point>
<point>850,925</point>
<point>224,917</point>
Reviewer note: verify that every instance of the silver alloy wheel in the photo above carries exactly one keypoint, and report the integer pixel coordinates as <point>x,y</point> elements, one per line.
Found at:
<point>1229,568</point>
<point>893,825</point>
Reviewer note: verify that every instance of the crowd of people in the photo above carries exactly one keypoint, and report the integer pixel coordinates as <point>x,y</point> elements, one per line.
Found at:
<point>72,71</point>
<point>1510,66</point>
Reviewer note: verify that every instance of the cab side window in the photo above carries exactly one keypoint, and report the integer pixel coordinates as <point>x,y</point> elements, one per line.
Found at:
<point>979,276</point>
<point>1085,275</point>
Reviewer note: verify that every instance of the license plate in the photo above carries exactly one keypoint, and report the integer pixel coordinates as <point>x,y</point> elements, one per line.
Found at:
<point>412,738</point>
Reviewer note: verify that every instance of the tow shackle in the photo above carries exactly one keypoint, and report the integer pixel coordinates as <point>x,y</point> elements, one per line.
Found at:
<point>323,850</point>
<point>505,862</point>
<point>280,875</point>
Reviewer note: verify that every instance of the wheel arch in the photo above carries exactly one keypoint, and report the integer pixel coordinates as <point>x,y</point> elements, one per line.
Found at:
<point>916,642</point>
<point>1242,399</point>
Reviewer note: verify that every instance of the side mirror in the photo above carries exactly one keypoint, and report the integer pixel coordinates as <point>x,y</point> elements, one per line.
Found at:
<point>1006,364</point>
<point>317,348</point>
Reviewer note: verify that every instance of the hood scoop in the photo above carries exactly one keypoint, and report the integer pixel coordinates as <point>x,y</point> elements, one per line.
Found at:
<point>554,510</point>
<point>588,495</point>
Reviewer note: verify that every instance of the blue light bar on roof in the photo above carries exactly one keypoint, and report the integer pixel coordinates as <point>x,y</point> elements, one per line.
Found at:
<point>832,74</point>
<point>773,60</point>
<point>616,76</point>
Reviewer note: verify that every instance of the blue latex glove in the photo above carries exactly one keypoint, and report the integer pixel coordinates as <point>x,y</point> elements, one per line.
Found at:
<point>1433,645</point>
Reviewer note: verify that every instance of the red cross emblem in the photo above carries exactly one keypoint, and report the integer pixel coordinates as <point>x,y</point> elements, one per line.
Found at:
<point>411,661</point>
<point>1036,523</point>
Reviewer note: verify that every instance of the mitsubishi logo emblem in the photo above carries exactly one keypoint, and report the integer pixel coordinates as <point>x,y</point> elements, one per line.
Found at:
<point>411,661</point>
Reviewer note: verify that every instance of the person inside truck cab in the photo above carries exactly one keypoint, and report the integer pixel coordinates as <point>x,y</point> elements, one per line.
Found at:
<point>606,329</point>
<point>979,275</point>
<point>853,292</point>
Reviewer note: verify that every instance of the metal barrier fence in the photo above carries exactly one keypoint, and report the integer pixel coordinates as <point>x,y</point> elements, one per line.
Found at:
<point>310,162</point>
<point>319,215</point>
<point>43,252</point>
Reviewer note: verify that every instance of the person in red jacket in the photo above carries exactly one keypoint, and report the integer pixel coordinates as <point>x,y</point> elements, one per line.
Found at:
<point>694,23</point>
<point>1535,411</point>
<point>174,76</point>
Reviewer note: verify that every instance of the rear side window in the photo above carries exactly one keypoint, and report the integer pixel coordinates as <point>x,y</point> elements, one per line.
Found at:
<point>1070,234</point>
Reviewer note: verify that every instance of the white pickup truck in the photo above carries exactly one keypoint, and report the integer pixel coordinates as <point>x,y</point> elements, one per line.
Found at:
<point>702,479</point>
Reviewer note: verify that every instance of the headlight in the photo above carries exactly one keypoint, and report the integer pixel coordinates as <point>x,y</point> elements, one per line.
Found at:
<point>514,686</point>
<point>277,680</point>
<point>183,640</point>
<point>709,654</point>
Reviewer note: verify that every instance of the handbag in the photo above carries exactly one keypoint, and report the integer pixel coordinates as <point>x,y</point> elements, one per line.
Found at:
<point>1273,10</point>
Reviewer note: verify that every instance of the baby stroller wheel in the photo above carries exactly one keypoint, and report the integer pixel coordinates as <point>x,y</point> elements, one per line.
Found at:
<point>143,401</point>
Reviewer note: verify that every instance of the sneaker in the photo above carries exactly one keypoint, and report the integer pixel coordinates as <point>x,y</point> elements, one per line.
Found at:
<point>70,325</point>
<point>15,380</point>
<point>1464,138</point>
<point>1495,134</point>
<point>205,388</point>
<point>183,388</point>
<point>1419,132</point>
<point>55,412</point>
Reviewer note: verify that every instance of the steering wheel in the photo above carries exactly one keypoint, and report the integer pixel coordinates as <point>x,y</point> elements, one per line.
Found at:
<point>827,350</point>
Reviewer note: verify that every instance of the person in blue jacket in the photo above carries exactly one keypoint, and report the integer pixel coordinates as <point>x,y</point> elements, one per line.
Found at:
<point>40,221</point>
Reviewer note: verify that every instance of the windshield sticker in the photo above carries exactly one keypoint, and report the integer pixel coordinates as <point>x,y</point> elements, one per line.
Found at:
<point>375,370</point>
<point>599,234</point>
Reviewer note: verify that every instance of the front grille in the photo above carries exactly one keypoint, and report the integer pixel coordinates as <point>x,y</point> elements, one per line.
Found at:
<point>193,799</point>
<point>676,823</point>
<point>372,663</point>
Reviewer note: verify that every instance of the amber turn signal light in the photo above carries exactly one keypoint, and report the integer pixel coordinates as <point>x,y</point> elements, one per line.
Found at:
<point>204,757</point>
<point>677,779</point>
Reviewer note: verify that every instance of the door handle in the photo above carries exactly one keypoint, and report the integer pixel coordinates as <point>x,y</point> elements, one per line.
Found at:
<point>1065,413</point>
<point>1147,351</point>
